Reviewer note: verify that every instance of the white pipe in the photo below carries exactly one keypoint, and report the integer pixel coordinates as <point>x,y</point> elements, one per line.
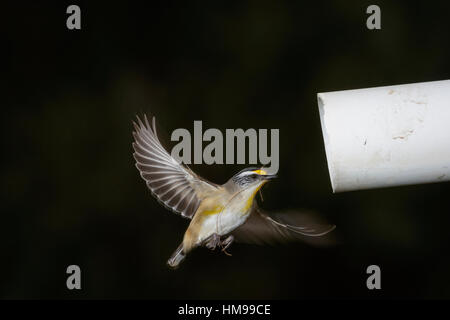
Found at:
<point>387,136</point>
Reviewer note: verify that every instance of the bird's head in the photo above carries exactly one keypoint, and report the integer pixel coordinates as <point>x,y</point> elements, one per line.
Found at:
<point>251,178</point>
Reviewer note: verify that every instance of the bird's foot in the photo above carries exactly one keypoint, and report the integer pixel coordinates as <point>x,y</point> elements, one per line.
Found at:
<point>213,241</point>
<point>226,243</point>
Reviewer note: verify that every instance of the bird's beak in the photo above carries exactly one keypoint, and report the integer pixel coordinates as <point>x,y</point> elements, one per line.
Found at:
<point>269,176</point>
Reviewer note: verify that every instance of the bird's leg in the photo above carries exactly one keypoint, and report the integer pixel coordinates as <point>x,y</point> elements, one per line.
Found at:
<point>226,243</point>
<point>213,241</point>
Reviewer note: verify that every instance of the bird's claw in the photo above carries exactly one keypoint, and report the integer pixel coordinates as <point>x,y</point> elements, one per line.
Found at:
<point>215,241</point>
<point>226,243</point>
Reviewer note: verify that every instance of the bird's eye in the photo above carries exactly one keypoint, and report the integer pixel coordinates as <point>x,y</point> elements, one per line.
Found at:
<point>252,177</point>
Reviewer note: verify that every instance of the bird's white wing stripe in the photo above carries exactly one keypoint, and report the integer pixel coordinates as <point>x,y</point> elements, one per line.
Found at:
<point>158,155</point>
<point>148,174</point>
<point>147,133</point>
<point>169,177</point>
<point>192,197</point>
<point>159,167</point>
<point>185,193</point>
<point>149,168</point>
<point>193,202</point>
<point>174,186</point>
<point>149,146</point>
<point>158,161</point>
<point>178,192</point>
<point>166,184</point>
<point>152,183</point>
<point>160,172</point>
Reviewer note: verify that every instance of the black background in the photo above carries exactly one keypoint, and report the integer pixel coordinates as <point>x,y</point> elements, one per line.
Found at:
<point>71,193</point>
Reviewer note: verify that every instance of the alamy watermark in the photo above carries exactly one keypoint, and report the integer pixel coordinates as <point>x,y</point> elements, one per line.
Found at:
<point>235,146</point>
<point>374,280</point>
<point>373,22</point>
<point>74,279</point>
<point>73,21</point>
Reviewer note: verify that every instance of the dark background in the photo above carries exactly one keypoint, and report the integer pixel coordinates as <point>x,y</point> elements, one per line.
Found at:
<point>71,193</point>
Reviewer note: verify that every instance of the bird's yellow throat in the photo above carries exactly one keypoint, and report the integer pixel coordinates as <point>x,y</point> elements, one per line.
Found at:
<point>249,202</point>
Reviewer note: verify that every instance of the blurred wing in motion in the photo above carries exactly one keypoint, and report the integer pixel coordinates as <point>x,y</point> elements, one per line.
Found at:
<point>260,228</point>
<point>174,185</point>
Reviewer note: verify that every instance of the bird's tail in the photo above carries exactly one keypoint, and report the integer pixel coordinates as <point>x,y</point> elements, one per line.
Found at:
<point>177,257</point>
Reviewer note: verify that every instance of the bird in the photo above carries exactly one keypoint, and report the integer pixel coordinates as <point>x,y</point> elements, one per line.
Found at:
<point>219,214</point>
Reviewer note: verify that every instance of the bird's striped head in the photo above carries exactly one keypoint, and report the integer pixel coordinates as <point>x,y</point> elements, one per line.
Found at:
<point>251,177</point>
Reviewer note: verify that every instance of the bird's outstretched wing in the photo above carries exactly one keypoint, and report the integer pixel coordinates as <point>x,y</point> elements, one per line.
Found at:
<point>173,184</point>
<point>260,228</point>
